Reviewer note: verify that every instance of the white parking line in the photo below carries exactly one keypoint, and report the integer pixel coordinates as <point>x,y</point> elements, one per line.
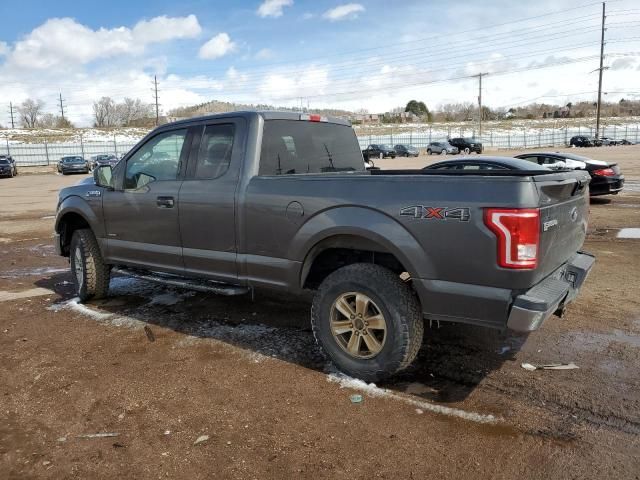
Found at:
<point>34,292</point>
<point>629,233</point>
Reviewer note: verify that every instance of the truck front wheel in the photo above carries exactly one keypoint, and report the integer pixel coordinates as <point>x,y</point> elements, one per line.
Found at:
<point>90,273</point>
<point>368,321</point>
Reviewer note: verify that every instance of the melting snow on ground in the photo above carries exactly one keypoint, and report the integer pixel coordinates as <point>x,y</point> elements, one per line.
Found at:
<point>374,391</point>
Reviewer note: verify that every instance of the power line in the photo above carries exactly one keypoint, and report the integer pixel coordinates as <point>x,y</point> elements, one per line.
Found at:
<point>61,107</point>
<point>155,84</point>
<point>479,75</point>
<point>600,73</point>
<point>11,110</point>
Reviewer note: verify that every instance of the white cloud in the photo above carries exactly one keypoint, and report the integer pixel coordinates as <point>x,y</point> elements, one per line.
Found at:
<point>217,47</point>
<point>272,8</point>
<point>344,12</point>
<point>625,63</point>
<point>264,54</point>
<point>64,41</point>
<point>4,49</point>
<point>161,29</point>
<point>308,16</point>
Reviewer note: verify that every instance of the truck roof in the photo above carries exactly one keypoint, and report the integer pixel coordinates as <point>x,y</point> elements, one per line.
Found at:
<point>266,114</point>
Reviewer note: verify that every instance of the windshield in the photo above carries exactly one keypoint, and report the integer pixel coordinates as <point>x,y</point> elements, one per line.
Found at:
<point>294,147</point>
<point>470,140</point>
<point>385,147</point>
<point>72,160</point>
<point>4,161</point>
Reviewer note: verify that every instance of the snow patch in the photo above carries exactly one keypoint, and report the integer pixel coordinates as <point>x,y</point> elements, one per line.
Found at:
<point>26,272</point>
<point>374,391</point>
<point>629,233</point>
<point>75,305</point>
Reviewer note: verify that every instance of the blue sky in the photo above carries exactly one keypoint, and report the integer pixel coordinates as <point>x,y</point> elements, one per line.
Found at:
<point>372,55</point>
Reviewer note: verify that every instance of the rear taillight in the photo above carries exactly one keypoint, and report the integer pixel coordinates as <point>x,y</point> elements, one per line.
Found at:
<point>604,172</point>
<point>312,117</point>
<point>518,233</point>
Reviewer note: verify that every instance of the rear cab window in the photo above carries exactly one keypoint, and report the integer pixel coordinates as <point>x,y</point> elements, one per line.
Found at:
<point>294,147</point>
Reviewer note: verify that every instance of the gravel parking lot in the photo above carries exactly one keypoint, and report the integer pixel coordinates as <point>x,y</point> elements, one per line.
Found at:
<point>198,386</point>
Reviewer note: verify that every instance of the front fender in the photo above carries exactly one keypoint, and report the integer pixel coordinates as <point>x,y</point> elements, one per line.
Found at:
<point>368,224</point>
<point>77,205</point>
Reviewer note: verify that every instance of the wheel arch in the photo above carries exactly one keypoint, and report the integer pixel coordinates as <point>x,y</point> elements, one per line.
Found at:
<point>368,235</point>
<point>74,214</point>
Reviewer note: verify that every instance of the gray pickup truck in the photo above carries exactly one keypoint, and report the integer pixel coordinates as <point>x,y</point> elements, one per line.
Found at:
<point>232,202</point>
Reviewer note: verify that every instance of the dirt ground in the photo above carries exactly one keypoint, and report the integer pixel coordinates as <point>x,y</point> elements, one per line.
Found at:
<point>248,376</point>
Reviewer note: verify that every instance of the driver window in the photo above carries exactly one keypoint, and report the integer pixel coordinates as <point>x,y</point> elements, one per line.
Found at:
<point>157,160</point>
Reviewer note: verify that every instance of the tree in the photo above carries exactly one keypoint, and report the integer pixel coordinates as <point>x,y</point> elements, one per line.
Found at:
<point>417,108</point>
<point>132,109</point>
<point>29,111</point>
<point>104,111</point>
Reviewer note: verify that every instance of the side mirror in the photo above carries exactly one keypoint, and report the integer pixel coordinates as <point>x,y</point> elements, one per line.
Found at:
<point>103,176</point>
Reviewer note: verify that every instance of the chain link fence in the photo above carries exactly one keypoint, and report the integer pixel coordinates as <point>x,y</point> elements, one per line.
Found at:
<point>49,151</point>
<point>496,139</point>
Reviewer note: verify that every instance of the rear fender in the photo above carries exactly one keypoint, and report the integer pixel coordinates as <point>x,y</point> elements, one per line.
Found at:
<point>370,225</point>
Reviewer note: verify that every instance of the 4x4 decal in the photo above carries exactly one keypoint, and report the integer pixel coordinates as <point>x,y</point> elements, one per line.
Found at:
<point>436,213</point>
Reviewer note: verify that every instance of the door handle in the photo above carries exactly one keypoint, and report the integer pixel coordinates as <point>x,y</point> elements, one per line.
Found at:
<point>165,202</point>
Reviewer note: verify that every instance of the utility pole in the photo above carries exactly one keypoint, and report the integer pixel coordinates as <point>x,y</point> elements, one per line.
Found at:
<point>11,114</point>
<point>61,107</point>
<point>479,75</point>
<point>155,85</point>
<point>600,73</point>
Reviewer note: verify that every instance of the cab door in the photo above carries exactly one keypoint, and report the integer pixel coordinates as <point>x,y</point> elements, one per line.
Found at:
<point>208,200</point>
<point>141,213</point>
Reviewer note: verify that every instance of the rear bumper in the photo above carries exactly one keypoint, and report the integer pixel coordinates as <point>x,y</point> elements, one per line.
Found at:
<point>606,185</point>
<point>502,308</point>
<point>552,295</point>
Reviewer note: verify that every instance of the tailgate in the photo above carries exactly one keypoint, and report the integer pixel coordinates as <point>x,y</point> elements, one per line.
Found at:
<point>564,210</point>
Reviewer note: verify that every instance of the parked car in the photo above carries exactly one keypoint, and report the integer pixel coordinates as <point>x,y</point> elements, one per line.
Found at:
<point>406,151</point>
<point>378,151</point>
<point>466,145</point>
<point>8,166</point>
<point>103,159</point>
<point>609,142</point>
<point>297,211</point>
<point>583,141</point>
<point>73,164</point>
<point>483,163</point>
<point>442,148</point>
<point>606,178</point>
<point>624,141</point>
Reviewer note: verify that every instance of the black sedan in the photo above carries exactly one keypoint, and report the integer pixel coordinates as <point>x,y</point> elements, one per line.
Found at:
<point>73,164</point>
<point>378,151</point>
<point>606,178</point>
<point>104,159</point>
<point>7,166</point>
<point>485,163</point>
<point>583,141</point>
<point>406,150</point>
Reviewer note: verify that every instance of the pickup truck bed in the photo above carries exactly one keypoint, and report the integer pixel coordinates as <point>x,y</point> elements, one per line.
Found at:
<point>292,207</point>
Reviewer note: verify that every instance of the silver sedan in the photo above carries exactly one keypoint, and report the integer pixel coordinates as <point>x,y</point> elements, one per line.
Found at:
<point>442,148</point>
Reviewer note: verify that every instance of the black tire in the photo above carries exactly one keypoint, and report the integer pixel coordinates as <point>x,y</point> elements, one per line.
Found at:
<point>428,151</point>
<point>93,281</point>
<point>466,151</point>
<point>395,300</point>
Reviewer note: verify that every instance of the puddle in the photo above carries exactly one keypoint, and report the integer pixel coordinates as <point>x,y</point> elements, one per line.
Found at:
<point>629,233</point>
<point>599,341</point>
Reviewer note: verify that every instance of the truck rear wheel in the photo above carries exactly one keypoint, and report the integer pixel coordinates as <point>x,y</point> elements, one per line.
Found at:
<point>90,273</point>
<point>368,321</point>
